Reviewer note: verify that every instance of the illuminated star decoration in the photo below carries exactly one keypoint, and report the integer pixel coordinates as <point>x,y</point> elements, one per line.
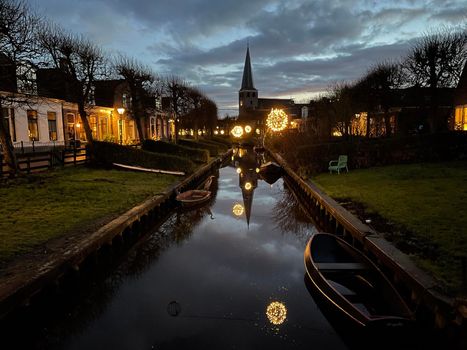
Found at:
<point>237,131</point>
<point>276,313</point>
<point>277,120</point>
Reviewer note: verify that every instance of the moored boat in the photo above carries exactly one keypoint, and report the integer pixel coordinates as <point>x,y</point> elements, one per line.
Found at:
<point>193,198</point>
<point>270,169</point>
<point>353,285</point>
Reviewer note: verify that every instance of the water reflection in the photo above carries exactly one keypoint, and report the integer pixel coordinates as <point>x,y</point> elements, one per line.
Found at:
<point>276,313</point>
<point>195,283</point>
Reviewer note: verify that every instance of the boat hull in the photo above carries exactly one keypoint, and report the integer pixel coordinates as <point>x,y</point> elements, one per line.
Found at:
<point>193,198</point>
<point>353,285</point>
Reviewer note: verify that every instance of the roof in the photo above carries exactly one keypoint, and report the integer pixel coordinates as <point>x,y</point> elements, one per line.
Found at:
<point>247,81</point>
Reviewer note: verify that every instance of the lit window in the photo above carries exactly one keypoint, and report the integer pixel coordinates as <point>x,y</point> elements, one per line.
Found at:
<point>52,121</point>
<point>33,129</point>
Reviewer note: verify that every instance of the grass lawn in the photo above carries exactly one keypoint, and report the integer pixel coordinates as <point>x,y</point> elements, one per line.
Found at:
<point>44,206</point>
<point>427,202</point>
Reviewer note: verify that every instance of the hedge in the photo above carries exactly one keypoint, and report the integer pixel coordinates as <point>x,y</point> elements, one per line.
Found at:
<point>107,153</point>
<point>223,147</point>
<point>224,140</point>
<point>197,155</point>
<point>364,153</point>
<point>213,149</point>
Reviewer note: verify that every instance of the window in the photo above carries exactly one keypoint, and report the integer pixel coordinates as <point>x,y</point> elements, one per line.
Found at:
<point>91,96</point>
<point>103,127</point>
<point>126,101</point>
<point>33,129</point>
<point>8,115</point>
<point>93,125</point>
<point>460,118</point>
<point>52,121</point>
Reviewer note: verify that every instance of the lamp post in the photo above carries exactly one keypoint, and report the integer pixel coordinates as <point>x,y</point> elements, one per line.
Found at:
<point>120,111</point>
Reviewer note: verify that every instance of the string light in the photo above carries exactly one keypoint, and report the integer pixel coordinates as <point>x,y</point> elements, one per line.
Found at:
<point>237,131</point>
<point>276,313</point>
<point>277,120</point>
<point>238,209</point>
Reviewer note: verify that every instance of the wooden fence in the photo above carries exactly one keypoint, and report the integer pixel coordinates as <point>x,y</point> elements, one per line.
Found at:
<point>41,161</point>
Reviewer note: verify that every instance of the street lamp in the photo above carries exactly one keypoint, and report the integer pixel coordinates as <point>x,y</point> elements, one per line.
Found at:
<point>120,111</point>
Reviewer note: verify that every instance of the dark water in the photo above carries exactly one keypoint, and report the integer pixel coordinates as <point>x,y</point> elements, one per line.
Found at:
<point>202,280</point>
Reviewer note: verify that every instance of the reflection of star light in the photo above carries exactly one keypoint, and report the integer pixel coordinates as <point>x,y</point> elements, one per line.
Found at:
<point>248,186</point>
<point>237,209</point>
<point>276,313</point>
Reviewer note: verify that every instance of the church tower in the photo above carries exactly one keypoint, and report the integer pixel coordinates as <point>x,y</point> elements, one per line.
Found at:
<point>247,95</point>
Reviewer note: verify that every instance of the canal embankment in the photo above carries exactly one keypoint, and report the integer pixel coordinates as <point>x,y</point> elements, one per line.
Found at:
<point>29,274</point>
<point>423,292</point>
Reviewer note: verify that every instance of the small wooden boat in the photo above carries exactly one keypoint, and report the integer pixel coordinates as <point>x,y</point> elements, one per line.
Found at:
<point>353,285</point>
<point>270,169</point>
<point>193,198</point>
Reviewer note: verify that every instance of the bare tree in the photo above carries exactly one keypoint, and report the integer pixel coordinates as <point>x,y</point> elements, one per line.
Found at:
<point>374,93</point>
<point>140,80</point>
<point>436,60</point>
<point>79,60</point>
<point>18,52</point>
<point>175,89</point>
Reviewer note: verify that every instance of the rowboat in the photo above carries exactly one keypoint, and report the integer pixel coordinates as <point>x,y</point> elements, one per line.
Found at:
<point>353,285</point>
<point>193,198</point>
<point>270,169</point>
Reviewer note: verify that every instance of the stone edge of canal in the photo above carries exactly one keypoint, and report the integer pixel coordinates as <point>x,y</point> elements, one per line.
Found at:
<point>415,285</point>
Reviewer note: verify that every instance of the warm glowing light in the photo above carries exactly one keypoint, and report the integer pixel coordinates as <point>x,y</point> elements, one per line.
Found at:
<point>248,129</point>
<point>258,131</point>
<point>216,132</point>
<point>337,133</point>
<point>78,125</point>
<point>237,131</point>
<point>277,120</point>
<point>248,186</point>
<point>276,313</point>
<point>222,132</point>
<point>239,170</point>
<point>121,110</point>
<point>238,209</point>
<point>257,170</point>
<point>233,158</point>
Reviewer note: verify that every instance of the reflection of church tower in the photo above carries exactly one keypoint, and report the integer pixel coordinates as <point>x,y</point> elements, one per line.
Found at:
<point>247,95</point>
<point>248,178</point>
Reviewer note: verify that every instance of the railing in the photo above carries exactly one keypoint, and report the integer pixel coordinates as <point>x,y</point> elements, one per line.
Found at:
<point>37,161</point>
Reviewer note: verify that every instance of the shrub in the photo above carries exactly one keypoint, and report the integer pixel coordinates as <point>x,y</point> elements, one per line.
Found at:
<point>223,147</point>
<point>107,153</point>
<point>213,149</point>
<point>197,155</point>
<point>225,140</point>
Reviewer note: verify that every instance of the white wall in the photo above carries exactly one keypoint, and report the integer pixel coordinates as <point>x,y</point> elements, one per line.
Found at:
<point>42,106</point>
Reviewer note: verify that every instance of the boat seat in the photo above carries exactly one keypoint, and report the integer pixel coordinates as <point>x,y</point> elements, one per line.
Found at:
<point>341,266</point>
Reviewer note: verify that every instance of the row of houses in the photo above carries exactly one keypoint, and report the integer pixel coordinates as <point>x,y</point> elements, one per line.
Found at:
<point>399,111</point>
<point>45,114</point>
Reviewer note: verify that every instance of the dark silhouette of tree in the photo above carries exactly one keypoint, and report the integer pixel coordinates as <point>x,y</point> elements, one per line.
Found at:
<point>435,61</point>
<point>140,80</point>
<point>79,60</point>
<point>18,54</point>
<point>175,89</point>
<point>374,93</point>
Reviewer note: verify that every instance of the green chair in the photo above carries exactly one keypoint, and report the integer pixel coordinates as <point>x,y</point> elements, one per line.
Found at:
<point>337,165</point>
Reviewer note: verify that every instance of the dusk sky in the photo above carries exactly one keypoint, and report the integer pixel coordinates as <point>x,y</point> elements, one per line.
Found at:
<point>298,47</point>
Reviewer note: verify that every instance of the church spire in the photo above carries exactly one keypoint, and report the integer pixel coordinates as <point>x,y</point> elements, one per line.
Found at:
<point>247,81</point>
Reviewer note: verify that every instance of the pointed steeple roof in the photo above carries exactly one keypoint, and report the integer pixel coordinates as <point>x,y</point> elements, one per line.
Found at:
<point>247,81</point>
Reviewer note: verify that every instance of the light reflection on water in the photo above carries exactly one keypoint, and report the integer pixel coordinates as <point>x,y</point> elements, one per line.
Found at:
<point>205,281</point>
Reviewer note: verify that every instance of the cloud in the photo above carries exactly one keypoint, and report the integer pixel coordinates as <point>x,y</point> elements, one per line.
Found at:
<point>297,46</point>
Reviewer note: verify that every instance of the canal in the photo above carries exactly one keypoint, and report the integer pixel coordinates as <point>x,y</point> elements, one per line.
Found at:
<point>226,276</point>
